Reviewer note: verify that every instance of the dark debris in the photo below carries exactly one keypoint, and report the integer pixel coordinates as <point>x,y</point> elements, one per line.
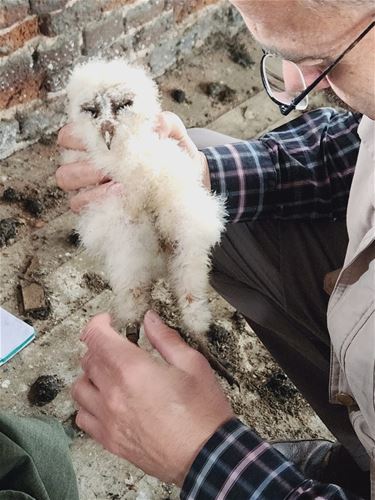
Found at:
<point>281,387</point>
<point>219,91</point>
<point>33,205</point>
<point>94,282</point>
<point>44,390</point>
<point>11,195</point>
<point>74,238</point>
<point>178,95</point>
<point>239,54</point>
<point>8,230</point>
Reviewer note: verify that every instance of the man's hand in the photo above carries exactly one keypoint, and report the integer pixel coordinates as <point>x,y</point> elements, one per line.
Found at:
<point>82,176</point>
<point>155,414</point>
<point>170,125</point>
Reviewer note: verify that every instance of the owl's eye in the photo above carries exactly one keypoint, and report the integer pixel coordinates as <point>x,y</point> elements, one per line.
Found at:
<point>92,110</point>
<point>122,105</point>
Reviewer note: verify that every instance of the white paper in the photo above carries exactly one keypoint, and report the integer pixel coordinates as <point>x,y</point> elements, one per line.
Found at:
<point>15,334</point>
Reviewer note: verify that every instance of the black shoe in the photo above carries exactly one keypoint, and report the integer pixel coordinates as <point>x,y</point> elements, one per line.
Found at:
<point>326,462</point>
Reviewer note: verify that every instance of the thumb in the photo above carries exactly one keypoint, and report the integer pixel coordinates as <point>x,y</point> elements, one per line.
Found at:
<point>170,125</point>
<point>167,341</point>
<point>98,333</point>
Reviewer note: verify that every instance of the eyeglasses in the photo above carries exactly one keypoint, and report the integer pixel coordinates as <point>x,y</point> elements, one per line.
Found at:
<point>294,95</point>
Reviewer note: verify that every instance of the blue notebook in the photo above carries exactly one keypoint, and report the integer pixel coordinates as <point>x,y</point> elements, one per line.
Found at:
<point>15,334</point>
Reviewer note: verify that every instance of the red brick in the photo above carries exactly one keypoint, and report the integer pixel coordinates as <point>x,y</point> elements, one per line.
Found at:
<point>72,18</point>
<point>19,81</point>
<point>103,33</point>
<point>17,35</point>
<point>182,8</point>
<point>153,31</point>
<point>12,11</point>
<point>55,57</point>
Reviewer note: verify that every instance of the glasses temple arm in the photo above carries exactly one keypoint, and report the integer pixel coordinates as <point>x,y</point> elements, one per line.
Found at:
<point>308,89</point>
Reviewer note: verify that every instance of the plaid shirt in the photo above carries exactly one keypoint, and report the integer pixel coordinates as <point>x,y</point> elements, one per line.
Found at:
<point>302,170</point>
<point>235,464</point>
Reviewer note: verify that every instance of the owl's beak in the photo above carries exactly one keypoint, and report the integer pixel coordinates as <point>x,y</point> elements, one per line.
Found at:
<point>107,130</point>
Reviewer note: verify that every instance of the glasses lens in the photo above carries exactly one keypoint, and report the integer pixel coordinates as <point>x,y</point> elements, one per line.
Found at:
<point>284,80</point>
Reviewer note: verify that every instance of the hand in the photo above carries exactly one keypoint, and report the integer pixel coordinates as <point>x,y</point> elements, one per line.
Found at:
<point>154,414</point>
<point>170,125</point>
<point>330,281</point>
<point>82,174</point>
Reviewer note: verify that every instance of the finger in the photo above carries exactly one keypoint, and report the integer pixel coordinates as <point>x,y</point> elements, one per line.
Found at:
<point>77,175</point>
<point>99,373</point>
<point>86,395</point>
<point>168,342</point>
<point>168,124</point>
<point>67,138</point>
<point>105,343</point>
<point>102,321</point>
<point>84,198</point>
<point>88,423</point>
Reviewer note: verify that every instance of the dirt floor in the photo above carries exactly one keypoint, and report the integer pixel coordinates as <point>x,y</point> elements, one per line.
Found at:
<point>218,87</point>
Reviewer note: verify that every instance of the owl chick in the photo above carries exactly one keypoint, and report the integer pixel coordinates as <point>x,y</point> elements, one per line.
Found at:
<point>166,223</point>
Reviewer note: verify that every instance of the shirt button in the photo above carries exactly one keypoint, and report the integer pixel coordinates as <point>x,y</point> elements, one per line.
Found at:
<point>345,399</point>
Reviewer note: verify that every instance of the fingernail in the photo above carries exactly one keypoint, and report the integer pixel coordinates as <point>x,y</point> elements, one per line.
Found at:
<point>153,317</point>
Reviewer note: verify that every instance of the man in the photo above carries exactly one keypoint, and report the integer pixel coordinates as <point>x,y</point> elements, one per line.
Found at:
<point>287,197</point>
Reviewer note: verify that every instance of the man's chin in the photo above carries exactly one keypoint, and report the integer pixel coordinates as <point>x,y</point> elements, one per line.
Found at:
<point>335,100</point>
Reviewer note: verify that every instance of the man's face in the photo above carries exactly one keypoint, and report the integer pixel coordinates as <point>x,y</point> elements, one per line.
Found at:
<point>313,38</point>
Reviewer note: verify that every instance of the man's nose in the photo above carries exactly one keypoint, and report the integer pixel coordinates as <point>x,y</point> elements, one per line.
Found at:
<point>107,130</point>
<point>311,74</point>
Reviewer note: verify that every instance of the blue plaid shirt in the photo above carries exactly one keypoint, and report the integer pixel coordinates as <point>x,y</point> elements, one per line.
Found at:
<point>236,464</point>
<point>302,170</point>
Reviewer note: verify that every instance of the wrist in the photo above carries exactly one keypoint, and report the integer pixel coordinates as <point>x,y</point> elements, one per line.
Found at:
<point>200,442</point>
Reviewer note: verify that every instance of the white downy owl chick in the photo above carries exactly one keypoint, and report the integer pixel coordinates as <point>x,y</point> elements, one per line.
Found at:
<point>166,223</point>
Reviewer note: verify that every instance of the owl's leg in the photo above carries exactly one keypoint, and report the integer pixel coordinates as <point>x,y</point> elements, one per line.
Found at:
<point>188,273</point>
<point>193,230</point>
<point>131,267</point>
<point>132,303</point>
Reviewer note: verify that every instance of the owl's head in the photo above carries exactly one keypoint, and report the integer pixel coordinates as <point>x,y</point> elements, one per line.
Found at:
<point>110,101</point>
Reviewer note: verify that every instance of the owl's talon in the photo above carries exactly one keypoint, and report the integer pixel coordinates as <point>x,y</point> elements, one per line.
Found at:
<point>132,332</point>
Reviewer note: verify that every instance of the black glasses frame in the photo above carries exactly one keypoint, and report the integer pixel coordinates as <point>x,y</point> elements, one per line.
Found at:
<point>285,109</point>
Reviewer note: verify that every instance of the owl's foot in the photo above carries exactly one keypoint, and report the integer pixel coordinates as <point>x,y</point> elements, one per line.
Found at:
<point>132,332</point>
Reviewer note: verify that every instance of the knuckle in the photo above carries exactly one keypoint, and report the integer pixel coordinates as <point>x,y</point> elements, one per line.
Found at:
<point>86,362</point>
<point>112,402</point>
<point>61,135</point>
<point>81,419</point>
<point>75,389</point>
<point>60,178</point>
<point>75,204</point>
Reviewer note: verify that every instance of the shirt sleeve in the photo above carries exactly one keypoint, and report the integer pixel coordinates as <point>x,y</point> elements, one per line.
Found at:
<point>236,464</point>
<point>302,170</point>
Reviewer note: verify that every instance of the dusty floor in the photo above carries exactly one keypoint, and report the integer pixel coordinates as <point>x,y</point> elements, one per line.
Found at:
<point>43,224</point>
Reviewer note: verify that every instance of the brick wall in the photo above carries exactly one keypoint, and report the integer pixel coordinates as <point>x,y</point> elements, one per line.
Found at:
<point>40,40</point>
